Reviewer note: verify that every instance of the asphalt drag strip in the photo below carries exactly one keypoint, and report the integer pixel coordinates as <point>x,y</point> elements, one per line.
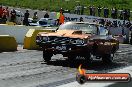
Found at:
<point>25,68</point>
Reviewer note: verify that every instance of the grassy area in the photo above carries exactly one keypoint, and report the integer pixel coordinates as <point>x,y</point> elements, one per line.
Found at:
<point>68,4</point>
<point>55,5</point>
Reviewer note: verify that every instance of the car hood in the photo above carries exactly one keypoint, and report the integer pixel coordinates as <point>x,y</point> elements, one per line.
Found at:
<point>67,33</point>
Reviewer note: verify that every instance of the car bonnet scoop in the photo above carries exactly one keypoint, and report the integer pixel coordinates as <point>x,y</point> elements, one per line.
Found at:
<point>77,32</point>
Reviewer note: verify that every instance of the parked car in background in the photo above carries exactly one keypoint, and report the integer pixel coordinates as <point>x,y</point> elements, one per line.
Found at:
<point>44,22</point>
<point>78,39</point>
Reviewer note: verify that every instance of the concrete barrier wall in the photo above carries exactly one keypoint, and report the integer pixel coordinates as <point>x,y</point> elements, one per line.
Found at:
<point>17,31</point>
<point>30,39</point>
<point>7,43</point>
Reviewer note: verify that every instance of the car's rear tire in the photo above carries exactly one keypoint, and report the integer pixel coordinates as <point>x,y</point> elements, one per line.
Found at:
<point>107,58</point>
<point>47,56</point>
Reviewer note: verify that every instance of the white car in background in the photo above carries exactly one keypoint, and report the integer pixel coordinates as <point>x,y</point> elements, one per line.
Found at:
<point>44,22</point>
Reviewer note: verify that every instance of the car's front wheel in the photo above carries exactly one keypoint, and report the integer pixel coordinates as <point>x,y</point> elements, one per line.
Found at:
<point>107,58</point>
<point>47,56</point>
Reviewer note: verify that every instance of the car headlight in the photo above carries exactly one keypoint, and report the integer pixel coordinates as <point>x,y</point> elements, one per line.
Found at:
<point>45,38</point>
<point>38,39</point>
<point>79,41</point>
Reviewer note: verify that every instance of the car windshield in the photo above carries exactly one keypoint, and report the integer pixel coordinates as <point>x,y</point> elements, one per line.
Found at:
<point>46,21</point>
<point>85,27</point>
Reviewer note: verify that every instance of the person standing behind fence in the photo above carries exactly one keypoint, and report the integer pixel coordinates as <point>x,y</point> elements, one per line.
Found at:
<point>125,14</point>
<point>121,14</point>
<point>13,16</point>
<point>46,15</point>
<point>93,11</point>
<point>4,17</point>
<point>99,10</point>
<point>57,17</point>
<point>128,14</point>
<point>6,12</point>
<point>61,18</point>
<point>1,11</point>
<point>90,10</point>
<point>106,11</point>
<point>35,17</point>
<point>78,9</point>
<point>26,16</point>
<point>116,13</point>
<point>112,12</point>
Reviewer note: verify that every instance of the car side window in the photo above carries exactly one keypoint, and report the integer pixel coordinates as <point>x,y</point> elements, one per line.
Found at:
<point>103,31</point>
<point>42,22</point>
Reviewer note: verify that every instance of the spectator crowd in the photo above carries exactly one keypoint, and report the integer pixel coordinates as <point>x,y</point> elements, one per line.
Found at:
<point>11,16</point>
<point>7,15</point>
<point>123,14</point>
<point>4,14</point>
<point>115,23</point>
